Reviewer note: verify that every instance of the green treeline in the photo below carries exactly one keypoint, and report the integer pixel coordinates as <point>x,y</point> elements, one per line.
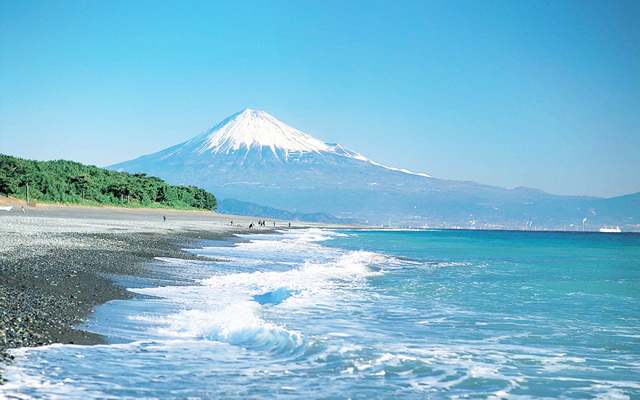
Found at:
<point>71,182</point>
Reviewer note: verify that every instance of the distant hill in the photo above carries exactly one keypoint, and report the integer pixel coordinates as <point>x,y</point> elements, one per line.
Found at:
<point>74,183</point>
<point>253,157</point>
<point>237,207</point>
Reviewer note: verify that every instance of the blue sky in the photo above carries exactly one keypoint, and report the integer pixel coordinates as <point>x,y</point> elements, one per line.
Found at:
<point>543,94</point>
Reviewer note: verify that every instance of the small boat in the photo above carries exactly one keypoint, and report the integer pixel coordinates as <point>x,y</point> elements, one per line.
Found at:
<point>605,229</point>
<point>6,208</point>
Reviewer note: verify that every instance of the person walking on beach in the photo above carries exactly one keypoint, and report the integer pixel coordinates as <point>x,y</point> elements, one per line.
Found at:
<point>164,218</point>
<point>23,209</point>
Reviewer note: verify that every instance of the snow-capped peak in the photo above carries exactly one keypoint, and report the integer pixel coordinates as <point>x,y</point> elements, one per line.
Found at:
<point>251,128</point>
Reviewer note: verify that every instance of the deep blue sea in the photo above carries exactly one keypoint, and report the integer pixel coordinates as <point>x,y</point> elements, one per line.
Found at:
<point>365,314</point>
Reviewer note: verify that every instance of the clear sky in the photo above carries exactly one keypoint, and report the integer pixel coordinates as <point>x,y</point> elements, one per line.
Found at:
<point>543,94</point>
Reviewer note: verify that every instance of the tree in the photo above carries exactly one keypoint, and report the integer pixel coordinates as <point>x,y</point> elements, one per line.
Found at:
<point>72,182</point>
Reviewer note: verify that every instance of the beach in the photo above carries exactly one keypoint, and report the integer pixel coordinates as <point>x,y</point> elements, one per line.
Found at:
<point>312,313</point>
<point>58,262</point>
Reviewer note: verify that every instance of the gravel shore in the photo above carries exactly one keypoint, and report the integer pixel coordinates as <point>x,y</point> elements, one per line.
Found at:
<point>56,262</point>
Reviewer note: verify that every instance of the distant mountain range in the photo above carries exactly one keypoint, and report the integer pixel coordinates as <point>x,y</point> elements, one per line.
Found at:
<point>237,207</point>
<point>253,157</point>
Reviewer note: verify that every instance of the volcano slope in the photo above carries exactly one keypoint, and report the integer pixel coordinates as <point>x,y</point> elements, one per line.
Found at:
<point>253,157</point>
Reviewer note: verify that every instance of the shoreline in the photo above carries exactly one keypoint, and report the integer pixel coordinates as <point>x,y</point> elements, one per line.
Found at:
<point>57,263</point>
<point>16,202</point>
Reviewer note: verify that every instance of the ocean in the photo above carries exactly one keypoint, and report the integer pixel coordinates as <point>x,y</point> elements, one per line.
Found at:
<point>341,314</point>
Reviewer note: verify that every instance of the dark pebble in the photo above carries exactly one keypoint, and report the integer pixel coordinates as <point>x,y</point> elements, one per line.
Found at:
<point>43,296</point>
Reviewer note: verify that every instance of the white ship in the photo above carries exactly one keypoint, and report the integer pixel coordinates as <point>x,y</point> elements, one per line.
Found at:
<point>605,229</point>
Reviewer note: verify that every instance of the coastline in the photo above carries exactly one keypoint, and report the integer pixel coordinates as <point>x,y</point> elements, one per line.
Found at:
<point>56,262</point>
<point>365,314</point>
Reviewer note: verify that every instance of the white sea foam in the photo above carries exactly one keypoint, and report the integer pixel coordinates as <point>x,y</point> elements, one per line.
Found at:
<point>293,313</point>
<point>230,307</point>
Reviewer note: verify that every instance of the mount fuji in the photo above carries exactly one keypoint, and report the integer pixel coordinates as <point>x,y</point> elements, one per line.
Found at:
<point>253,157</point>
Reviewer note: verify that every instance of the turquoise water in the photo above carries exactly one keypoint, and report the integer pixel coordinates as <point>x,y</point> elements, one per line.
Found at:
<point>362,314</point>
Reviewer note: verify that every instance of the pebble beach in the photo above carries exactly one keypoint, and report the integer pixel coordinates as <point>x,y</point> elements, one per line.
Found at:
<point>58,262</point>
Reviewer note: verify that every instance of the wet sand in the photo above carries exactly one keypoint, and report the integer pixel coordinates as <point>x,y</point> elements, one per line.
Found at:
<point>56,262</point>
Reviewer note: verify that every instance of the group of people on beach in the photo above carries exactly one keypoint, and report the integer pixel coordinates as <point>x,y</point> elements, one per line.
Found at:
<point>260,223</point>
